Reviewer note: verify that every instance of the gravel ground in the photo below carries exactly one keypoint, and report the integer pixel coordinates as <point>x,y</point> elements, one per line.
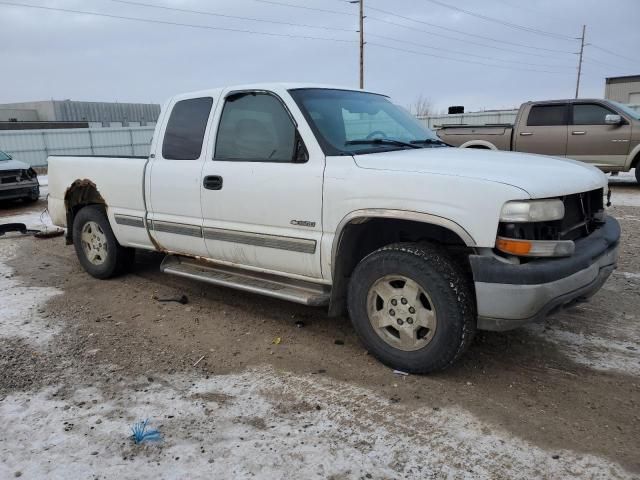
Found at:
<point>81,360</point>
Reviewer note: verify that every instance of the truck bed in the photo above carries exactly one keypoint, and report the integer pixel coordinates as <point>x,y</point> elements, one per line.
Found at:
<point>498,135</point>
<point>119,181</point>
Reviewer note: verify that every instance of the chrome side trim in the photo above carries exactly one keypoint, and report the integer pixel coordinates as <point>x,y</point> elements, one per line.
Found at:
<point>292,244</point>
<point>176,228</point>
<point>129,220</point>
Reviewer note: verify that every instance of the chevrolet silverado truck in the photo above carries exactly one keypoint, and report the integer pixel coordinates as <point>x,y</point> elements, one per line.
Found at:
<point>17,180</point>
<point>338,198</point>
<point>600,132</point>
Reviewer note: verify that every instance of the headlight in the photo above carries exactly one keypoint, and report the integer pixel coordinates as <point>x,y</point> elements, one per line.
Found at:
<point>532,211</point>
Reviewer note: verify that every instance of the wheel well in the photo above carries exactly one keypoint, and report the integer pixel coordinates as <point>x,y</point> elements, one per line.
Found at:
<point>80,194</point>
<point>482,147</point>
<point>635,161</point>
<point>366,235</point>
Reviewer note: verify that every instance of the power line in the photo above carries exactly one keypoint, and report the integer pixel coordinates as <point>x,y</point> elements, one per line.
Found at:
<point>599,62</point>
<point>292,5</point>
<point>503,22</point>
<point>462,61</point>
<point>505,42</point>
<point>213,14</point>
<point>176,24</point>
<point>614,53</point>
<point>458,52</point>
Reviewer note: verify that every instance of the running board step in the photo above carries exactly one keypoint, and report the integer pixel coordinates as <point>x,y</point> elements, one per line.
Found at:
<point>297,291</point>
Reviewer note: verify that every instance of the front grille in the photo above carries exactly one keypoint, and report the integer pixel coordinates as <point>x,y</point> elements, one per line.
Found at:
<point>10,176</point>
<point>583,214</point>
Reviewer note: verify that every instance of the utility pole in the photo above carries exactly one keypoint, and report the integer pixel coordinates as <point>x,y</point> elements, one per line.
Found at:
<point>580,60</point>
<point>361,3</point>
<point>361,44</point>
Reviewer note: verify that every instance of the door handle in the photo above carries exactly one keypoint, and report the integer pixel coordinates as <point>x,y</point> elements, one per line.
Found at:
<point>578,133</point>
<point>212,182</point>
<point>526,134</point>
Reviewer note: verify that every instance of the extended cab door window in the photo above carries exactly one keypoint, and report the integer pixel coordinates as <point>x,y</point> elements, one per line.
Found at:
<point>185,130</point>
<point>256,127</point>
<point>592,140</point>
<point>544,130</point>
<point>175,175</point>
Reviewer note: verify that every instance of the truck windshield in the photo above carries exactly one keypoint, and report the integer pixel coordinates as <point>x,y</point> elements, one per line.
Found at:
<point>627,109</point>
<point>4,156</point>
<point>348,121</point>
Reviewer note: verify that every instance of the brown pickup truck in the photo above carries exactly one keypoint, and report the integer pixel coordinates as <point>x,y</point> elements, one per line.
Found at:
<point>603,133</point>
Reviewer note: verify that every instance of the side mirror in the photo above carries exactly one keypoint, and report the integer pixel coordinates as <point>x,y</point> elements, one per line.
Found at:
<point>612,119</point>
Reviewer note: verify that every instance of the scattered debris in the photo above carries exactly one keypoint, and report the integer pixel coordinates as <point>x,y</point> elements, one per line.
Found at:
<point>139,432</point>
<point>15,227</point>
<point>49,233</point>
<point>199,360</point>
<point>339,342</point>
<point>181,299</point>
<point>277,340</point>
<point>299,324</point>
<point>400,372</point>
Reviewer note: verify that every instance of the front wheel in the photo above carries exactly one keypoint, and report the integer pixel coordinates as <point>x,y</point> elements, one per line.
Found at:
<point>412,307</point>
<point>96,246</point>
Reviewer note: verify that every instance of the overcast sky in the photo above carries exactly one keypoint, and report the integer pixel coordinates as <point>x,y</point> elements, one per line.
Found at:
<point>48,54</point>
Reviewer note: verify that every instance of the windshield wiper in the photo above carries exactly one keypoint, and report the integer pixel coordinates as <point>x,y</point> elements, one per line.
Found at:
<point>429,141</point>
<point>380,141</point>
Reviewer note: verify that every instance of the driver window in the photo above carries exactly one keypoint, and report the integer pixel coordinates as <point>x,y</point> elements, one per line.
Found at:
<point>255,127</point>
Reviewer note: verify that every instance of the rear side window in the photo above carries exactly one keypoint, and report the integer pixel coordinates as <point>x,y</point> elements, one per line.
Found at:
<point>185,129</point>
<point>589,114</point>
<point>255,127</point>
<point>547,115</point>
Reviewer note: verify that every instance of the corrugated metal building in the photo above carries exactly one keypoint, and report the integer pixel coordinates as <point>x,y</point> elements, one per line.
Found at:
<point>623,89</point>
<point>96,113</point>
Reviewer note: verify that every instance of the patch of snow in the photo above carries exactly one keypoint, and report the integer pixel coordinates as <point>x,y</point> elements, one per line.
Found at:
<point>264,424</point>
<point>32,219</point>
<point>609,344</point>
<point>628,275</point>
<point>19,316</point>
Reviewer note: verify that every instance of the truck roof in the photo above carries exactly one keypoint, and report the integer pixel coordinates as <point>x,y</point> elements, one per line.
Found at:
<point>274,86</point>
<point>568,100</point>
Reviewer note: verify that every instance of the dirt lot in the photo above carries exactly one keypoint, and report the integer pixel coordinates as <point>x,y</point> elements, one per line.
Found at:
<point>81,360</point>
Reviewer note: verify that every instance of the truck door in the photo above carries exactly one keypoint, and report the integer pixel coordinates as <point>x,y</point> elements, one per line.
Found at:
<point>262,190</point>
<point>544,130</point>
<point>175,215</point>
<point>592,140</point>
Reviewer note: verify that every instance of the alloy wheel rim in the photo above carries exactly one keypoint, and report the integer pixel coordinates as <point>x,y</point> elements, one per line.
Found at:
<point>94,243</point>
<point>401,312</point>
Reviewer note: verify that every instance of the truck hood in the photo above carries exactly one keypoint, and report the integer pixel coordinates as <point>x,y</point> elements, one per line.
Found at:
<point>540,176</point>
<point>13,165</point>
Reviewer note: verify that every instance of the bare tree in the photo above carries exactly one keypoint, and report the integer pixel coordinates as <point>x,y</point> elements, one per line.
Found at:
<point>421,107</point>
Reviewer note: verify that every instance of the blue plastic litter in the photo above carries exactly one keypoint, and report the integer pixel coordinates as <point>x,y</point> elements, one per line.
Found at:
<point>140,433</point>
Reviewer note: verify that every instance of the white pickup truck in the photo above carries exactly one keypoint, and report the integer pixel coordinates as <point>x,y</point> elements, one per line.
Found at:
<point>336,197</point>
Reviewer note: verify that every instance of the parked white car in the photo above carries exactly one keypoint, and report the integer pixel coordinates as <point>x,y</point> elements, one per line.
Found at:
<point>335,197</point>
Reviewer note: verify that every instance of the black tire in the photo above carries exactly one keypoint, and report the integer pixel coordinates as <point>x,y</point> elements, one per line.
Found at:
<point>116,260</point>
<point>638,173</point>
<point>449,291</point>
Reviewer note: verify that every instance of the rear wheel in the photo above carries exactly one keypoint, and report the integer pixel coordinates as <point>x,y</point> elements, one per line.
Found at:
<point>99,252</point>
<point>412,307</point>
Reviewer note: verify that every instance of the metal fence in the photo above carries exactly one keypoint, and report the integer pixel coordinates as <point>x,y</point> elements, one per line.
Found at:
<point>34,146</point>
<point>477,118</point>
